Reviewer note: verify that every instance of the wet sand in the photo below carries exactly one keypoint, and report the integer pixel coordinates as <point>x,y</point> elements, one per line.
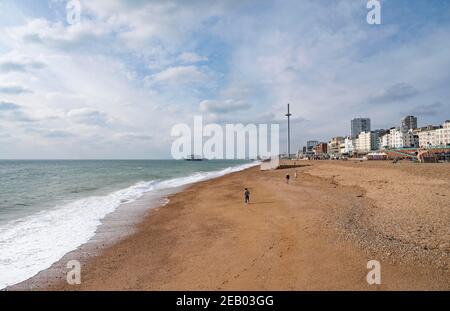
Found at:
<point>316,233</point>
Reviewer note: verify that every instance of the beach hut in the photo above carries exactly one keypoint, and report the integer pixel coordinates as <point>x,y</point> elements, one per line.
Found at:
<point>377,156</point>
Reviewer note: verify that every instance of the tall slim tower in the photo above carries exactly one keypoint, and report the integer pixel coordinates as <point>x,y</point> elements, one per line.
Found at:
<point>288,115</point>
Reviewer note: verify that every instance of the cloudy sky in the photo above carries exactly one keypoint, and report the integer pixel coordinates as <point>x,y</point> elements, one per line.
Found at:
<point>114,84</point>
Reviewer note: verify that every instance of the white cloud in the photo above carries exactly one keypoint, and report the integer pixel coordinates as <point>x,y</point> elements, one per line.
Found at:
<point>57,35</point>
<point>179,75</point>
<point>142,23</point>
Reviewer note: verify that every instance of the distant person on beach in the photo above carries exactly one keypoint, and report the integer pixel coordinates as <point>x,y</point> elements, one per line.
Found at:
<point>295,174</point>
<point>246,196</point>
<point>287,178</point>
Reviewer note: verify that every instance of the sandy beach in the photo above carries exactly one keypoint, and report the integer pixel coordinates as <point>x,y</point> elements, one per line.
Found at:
<point>316,233</point>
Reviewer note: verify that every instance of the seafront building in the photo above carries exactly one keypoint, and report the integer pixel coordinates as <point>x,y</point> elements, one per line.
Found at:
<point>347,146</point>
<point>310,144</point>
<point>334,146</point>
<point>407,135</point>
<point>363,142</point>
<point>403,136</point>
<point>397,138</point>
<point>359,125</point>
<point>426,135</point>
<point>408,123</point>
<point>434,135</point>
<point>386,140</point>
<point>321,149</point>
<point>308,150</point>
<point>367,141</point>
<point>442,135</point>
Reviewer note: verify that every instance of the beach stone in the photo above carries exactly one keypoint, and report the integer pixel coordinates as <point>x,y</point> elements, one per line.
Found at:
<point>444,247</point>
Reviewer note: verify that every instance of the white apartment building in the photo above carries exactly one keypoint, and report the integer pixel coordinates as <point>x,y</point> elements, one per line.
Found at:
<point>367,141</point>
<point>385,141</point>
<point>400,139</point>
<point>433,136</point>
<point>396,138</point>
<point>426,138</point>
<point>442,135</point>
<point>348,146</point>
<point>363,142</point>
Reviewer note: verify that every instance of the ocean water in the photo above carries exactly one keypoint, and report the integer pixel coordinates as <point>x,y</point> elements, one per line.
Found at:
<point>49,208</point>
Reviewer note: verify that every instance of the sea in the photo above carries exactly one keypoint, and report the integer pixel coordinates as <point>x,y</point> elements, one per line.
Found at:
<point>49,208</point>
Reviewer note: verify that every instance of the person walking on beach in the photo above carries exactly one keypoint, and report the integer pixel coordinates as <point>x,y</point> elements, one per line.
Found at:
<point>295,174</point>
<point>246,196</point>
<point>287,178</point>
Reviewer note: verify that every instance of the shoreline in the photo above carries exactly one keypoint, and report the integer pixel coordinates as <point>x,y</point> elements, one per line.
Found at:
<point>119,224</point>
<point>291,237</point>
<point>113,229</point>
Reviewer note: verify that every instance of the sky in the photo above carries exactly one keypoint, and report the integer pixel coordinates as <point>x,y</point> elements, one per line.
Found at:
<point>113,85</point>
